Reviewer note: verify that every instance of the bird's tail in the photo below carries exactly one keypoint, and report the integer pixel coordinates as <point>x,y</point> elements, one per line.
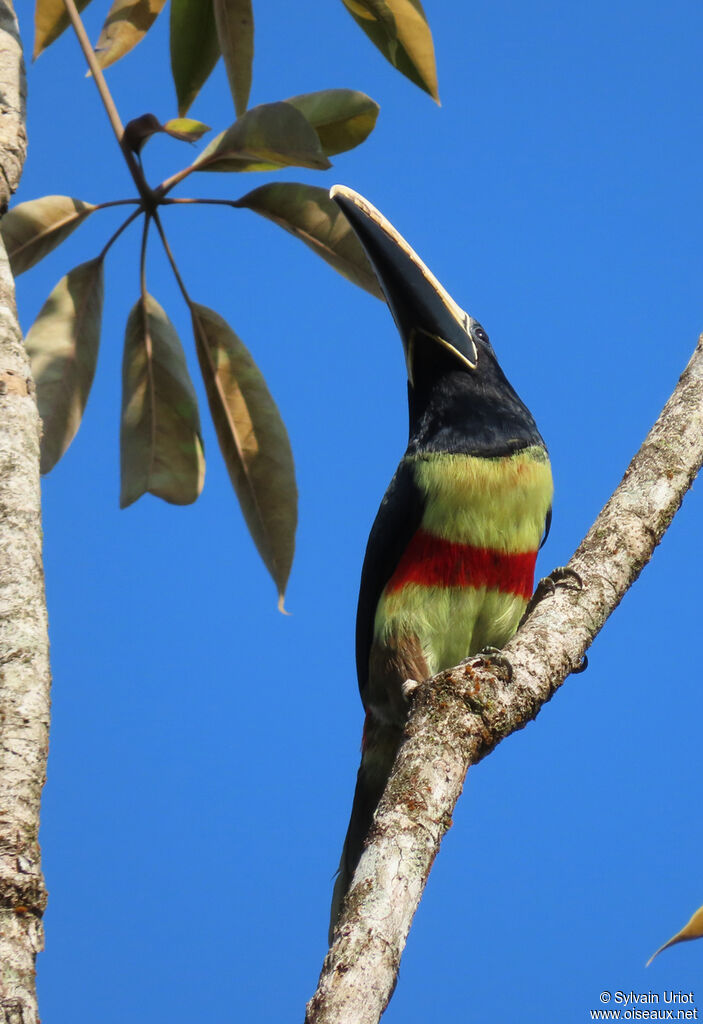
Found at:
<point>379,747</point>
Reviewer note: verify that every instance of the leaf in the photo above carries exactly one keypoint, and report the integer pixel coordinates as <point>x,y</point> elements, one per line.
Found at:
<point>194,48</point>
<point>185,128</point>
<point>50,20</point>
<point>127,22</point>
<point>692,930</point>
<point>309,214</point>
<point>31,230</point>
<point>267,137</point>
<point>139,130</point>
<point>400,31</point>
<point>235,30</point>
<point>160,444</point>
<point>342,118</point>
<point>253,441</point>
<point>63,348</point>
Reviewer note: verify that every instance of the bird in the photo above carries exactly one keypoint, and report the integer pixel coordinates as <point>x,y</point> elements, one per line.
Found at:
<point>449,565</point>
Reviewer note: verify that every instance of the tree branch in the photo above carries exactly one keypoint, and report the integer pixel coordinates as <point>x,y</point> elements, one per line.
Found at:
<point>135,169</point>
<point>24,645</point>
<point>460,715</point>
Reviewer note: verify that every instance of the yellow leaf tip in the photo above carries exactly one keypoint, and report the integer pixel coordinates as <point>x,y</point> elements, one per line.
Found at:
<point>281,605</point>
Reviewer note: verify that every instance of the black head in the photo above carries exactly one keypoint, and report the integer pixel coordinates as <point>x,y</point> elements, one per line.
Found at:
<point>458,397</point>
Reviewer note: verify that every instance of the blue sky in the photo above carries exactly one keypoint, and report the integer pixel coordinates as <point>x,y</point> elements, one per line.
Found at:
<point>204,747</point>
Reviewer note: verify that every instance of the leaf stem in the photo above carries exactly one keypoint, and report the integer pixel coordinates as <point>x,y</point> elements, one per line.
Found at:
<point>172,261</point>
<point>174,180</point>
<point>142,260</point>
<point>214,202</point>
<point>115,202</point>
<point>145,191</point>
<point>96,70</point>
<point>121,228</point>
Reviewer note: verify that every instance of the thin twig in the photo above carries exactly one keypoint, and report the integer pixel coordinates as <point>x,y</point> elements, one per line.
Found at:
<point>117,202</point>
<point>169,183</point>
<point>142,259</point>
<point>125,224</point>
<point>109,104</point>
<point>205,202</point>
<point>172,261</point>
<point>96,70</point>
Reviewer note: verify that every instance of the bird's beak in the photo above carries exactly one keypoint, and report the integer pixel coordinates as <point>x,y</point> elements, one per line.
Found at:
<point>418,302</point>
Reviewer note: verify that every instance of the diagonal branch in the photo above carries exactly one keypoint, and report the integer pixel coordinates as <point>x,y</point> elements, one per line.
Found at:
<point>460,715</point>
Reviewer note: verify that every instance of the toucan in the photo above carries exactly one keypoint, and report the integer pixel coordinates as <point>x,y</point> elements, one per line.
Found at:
<point>449,565</point>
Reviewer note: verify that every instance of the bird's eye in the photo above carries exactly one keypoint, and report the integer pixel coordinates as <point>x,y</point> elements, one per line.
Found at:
<point>479,334</point>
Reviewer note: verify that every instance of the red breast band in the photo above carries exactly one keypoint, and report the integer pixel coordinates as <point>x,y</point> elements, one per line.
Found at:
<point>434,562</point>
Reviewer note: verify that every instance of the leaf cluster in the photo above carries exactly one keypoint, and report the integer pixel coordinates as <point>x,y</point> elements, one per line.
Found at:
<point>202,31</point>
<point>161,448</point>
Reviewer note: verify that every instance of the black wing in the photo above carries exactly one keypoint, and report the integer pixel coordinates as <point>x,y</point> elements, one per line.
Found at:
<point>397,520</point>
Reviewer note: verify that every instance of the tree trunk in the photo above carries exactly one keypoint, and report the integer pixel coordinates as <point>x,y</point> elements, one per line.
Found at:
<point>24,644</point>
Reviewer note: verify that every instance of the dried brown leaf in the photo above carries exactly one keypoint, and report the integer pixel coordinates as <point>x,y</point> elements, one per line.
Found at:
<point>139,130</point>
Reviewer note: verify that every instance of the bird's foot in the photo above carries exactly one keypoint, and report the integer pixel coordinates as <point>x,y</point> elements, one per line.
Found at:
<point>562,576</point>
<point>493,657</point>
<point>580,667</point>
<point>408,688</point>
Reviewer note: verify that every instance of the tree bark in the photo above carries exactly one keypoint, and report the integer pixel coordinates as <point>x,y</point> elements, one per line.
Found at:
<point>460,715</point>
<point>24,645</point>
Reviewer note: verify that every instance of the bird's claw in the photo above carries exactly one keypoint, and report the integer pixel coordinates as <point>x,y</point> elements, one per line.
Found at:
<point>562,576</point>
<point>581,667</point>
<point>408,688</point>
<point>493,657</point>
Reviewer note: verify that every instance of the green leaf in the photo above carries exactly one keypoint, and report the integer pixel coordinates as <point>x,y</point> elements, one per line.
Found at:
<point>309,214</point>
<point>31,230</point>
<point>63,348</point>
<point>235,31</point>
<point>185,129</point>
<point>253,441</point>
<point>400,31</point>
<point>160,444</point>
<point>342,118</point>
<point>267,137</point>
<point>692,930</point>
<point>127,22</point>
<point>138,131</point>
<point>194,48</point>
<point>50,20</point>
